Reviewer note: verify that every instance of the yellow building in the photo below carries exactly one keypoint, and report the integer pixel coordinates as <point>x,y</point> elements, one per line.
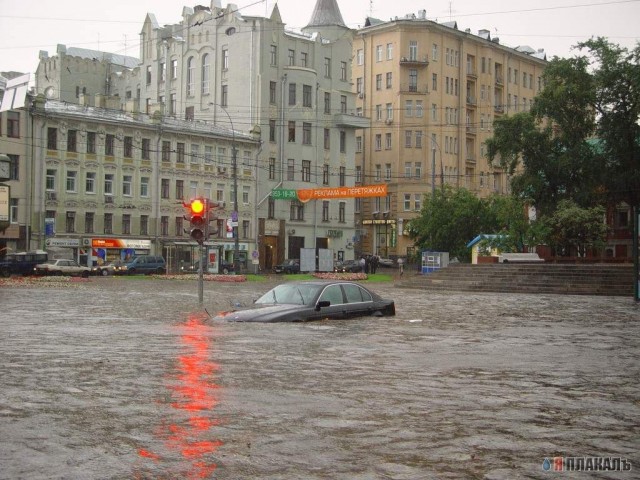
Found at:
<point>432,92</point>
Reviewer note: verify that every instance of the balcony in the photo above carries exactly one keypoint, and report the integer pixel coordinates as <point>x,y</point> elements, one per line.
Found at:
<point>498,108</point>
<point>471,129</point>
<point>471,100</point>
<point>345,120</point>
<point>418,89</point>
<point>499,80</point>
<point>471,72</point>
<point>414,62</point>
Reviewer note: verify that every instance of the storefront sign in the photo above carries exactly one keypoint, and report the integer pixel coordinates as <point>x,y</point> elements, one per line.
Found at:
<point>334,233</point>
<point>4,203</point>
<point>63,242</point>
<point>342,192</point>
<point>283,194</point>
<point>120,243</point>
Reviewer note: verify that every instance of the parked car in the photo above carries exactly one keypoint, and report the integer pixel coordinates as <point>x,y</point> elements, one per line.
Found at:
<point>62,267</point>
<point>112,268</point>
<point>288,266</point>
<point>386,262</point>
<point>145,264</point>
<point>226,267</point>
<point>351,266</point>
<point>314,300</point>
<point>21,263</point>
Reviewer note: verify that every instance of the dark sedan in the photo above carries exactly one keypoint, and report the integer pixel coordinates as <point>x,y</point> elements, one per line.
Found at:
<point>289,266</point>
<point>351,266</point>
<point>314,300</point>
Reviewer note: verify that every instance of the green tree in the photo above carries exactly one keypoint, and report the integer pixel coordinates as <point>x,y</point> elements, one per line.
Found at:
<point>449,219</point>
<point>573,229</point>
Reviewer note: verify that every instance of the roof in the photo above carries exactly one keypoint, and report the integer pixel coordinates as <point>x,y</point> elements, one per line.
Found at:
<point>114,58</point>
<point>326,14</point>
<point>483,236</point>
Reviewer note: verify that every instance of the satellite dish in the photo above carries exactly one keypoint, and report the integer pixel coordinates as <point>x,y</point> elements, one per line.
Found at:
<point>50,92</point>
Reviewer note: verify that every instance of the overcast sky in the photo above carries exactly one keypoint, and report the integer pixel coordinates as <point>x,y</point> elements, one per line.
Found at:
<point>28,26</point>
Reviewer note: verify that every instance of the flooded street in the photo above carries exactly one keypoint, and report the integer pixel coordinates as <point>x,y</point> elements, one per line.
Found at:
<point>120,378</point>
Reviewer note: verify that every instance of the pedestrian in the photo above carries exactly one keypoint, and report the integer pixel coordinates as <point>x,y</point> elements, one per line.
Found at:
<point>374,264</point>
<point>362,264</point>
<point>401,266</point>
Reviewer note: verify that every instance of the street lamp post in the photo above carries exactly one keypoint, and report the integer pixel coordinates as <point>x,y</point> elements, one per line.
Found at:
<point>234,170</point>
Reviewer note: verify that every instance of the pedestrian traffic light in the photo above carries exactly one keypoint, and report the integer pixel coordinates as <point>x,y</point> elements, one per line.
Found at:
<point>198,219</point>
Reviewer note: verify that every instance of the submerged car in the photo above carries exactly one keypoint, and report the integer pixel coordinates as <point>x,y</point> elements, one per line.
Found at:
<point>312,300</point>
<point>112,268</point>
<point>288,266</point>
<point>62,267</point>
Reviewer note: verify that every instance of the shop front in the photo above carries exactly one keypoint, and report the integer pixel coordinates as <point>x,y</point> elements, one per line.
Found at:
<point>105,250</point>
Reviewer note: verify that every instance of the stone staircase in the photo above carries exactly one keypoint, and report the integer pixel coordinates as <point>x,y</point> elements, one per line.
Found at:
<point>566,279</point>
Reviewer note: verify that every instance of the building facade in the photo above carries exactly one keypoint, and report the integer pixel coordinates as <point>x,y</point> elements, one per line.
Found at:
<point>432,93</point>
<point>292,90</point>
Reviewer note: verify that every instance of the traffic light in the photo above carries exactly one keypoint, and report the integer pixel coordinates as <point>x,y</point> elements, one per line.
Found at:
<point>198,219</point>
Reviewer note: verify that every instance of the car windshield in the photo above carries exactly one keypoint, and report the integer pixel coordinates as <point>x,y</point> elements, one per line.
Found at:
<point>290,294</point>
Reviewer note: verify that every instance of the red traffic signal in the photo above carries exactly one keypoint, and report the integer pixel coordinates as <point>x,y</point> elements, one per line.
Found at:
<point>198,211</point>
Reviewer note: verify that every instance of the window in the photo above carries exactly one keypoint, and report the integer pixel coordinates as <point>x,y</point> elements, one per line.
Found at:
<point>407,138</point>
<point>359,144</point>
<point>166,151</point>
<point>418,139</point>
<point>408,108</point>
<point>413,50</point>
<point>108,183</point>
<point>70,222</point>
<point>225,59</point>
<point>191,76</point>
<point>343,71</point>
<point>272,130</point>
<point>246,190</point>
<point>434,52</point>
<point>144,224</point>
<point>292,94</point>
<point>327,139</point>
<point>273,50</point>
<point>146,149</point>
<point>220,192</point>
<point>72,175</point>
<point>164,226</point>
<point>341,212</point>
<point>13,124</point>
<point>343,104</point>
<point>164,188</point>
<point>306,133</point>
<point>272,92</point>
<point>327,103</point>
<point>360,56</point>
<point>417,201</point>
<point>358,174</point>
<point>304,59</point>
<point>224,95</point>
<point>90,182</point>
<point>407,202</point>
<point>195,153</point>
<point>88,222</point>
<point>52,138</point>
<point>434,82</point>
<point>109,144</point>
<point>173,105</point>
<point>128,147</point>
<point>51,181</point>
<point>419,108</point>
<point>205,74</point>
<point>389,111</point>
<point>72,138</point>
<point>378,53</point>
<point>271,208</point>
<point>296,210</point>
<point>378,142</point>
<point>291,169</point>
<point>418,170</point>
<point>325,210</point>
<point>387,171</point>
<point>389,51</point>
<point>126,224</point>
<point>343,141</point>
<point>144,187</point>
<point>327,67</point>
<point>389,80</point>
<point>180,152</point>
<point>306,171</point>
<point>343,176</point>
<point>306,96</point>
<point>325,174</point>
<point>434,112</point>
<point>291,57</point>
<point>126,185</point>
<point>388,144</point>
<point>272,168</point>
<point>378,173</point>
<point>208,155</point>
<point>174,69</point>
<point>292,131</point>
<point>148,77</point>
<point>180,189</point>
<point>379,81</point>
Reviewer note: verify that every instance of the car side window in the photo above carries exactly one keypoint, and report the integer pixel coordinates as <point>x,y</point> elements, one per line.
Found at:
<point>366,296</point>
<point>353,293</point>
<point>333,293</point>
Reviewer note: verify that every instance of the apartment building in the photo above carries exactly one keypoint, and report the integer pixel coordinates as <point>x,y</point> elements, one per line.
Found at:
<point>432,92</point>
<point>293,90</point>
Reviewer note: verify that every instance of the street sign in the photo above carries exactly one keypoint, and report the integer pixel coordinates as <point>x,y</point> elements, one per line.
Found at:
<point>284,194</point>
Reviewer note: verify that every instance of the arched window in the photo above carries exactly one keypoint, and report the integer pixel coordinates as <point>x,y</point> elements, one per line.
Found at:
<point>205,74</point>
<point>191,76</point>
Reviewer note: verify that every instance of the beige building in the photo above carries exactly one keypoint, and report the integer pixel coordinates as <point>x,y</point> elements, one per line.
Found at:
<point>432,92</point>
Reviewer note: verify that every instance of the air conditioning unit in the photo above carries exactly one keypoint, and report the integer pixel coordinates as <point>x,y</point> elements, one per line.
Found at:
<point>291,231</point>
<point>222,170</point>
<point>52,196</point>
<point>86,242</point>
<point>108,199</point>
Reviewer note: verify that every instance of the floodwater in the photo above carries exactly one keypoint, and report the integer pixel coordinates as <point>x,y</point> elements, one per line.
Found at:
<point>120,378</point>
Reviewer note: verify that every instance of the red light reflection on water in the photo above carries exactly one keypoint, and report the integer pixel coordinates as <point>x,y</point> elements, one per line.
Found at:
<point>193,399</point>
